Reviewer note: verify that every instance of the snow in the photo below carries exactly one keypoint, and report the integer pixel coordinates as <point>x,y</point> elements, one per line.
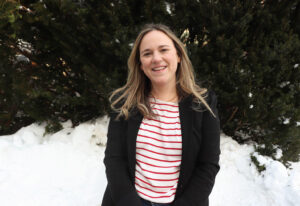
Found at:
<point>66,168</point>
<point>239,183</point>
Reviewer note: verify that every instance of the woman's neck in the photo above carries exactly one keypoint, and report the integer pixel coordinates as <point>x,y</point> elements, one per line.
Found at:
<point>167,93</point>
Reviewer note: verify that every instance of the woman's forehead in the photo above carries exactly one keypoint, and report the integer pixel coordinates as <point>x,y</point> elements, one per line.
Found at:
<point>155,39</point>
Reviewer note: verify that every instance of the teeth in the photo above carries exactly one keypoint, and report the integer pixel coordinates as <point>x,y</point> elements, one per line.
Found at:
<point>158,68</point>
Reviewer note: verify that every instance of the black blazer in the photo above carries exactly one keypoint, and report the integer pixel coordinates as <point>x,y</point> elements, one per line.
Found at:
<point>199,164</point>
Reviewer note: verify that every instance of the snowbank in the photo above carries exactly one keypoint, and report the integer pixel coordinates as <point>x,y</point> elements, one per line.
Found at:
<point>66,168</point>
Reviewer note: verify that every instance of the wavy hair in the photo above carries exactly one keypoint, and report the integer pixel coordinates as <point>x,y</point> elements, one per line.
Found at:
<point>135,93</point>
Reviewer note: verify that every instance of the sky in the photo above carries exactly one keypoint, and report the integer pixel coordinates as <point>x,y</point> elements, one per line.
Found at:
<point>66,169</point>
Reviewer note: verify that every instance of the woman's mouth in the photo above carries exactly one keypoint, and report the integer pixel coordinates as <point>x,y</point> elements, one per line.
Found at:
<point>159,68</point>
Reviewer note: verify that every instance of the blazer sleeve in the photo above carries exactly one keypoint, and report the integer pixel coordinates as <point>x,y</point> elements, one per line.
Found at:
<point>202,181</point>
<point>120,187</point>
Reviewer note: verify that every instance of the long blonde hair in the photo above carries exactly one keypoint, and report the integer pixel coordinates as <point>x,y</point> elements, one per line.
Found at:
<point>135,93</point>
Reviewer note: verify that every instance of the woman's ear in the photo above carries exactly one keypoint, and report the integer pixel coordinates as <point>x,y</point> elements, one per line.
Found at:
<point>178,58</point>
<point>178,55</point>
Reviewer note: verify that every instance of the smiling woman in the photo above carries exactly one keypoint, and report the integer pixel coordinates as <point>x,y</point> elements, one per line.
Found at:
<point>164,137</point>
<point>159,61</point>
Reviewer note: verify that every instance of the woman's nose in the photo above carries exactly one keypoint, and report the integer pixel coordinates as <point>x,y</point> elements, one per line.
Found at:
<point>156,57</point>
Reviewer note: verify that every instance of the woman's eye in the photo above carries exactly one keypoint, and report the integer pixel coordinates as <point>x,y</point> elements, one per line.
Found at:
<point>146,54</point>
<point>164,50</point>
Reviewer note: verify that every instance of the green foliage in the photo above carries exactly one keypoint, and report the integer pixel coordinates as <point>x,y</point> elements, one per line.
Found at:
<point>73,55</point>
<point>52,127</point>
<point>259,166</point>
<point>60,59</point>
<point>247,51</point>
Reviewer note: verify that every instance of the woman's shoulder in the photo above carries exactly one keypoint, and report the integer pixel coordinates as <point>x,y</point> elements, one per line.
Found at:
<point>209,96</point>
<point>116,102</point>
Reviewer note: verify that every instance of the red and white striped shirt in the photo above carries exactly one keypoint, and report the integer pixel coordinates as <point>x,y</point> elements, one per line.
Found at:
<point>158,153</point>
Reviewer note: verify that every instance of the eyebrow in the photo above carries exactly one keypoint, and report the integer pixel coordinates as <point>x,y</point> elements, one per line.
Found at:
<point>146,50</point>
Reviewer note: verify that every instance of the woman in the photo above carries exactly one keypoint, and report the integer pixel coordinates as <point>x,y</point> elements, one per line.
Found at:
<point>163,138</point>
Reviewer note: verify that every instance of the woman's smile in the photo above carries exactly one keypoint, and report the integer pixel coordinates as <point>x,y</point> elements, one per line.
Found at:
<point>159,68</point>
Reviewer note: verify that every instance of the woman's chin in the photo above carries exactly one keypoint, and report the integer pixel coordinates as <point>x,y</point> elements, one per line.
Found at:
<point>161,82</point>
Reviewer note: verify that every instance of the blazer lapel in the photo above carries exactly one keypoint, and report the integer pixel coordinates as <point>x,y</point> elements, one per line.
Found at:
<point>186,121</point>
<point>134,123</point>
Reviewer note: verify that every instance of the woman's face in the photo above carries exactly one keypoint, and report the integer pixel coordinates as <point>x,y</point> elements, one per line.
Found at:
<point>159,58</point>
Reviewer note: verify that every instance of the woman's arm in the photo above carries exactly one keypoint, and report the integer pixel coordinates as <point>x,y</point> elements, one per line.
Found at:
<point>121,189</point>
<point>201,183</point>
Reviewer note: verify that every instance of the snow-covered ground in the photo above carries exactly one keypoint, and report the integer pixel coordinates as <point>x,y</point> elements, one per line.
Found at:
<point>66,169</point>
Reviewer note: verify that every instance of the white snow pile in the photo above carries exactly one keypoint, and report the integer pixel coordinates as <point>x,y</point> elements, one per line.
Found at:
<point>66,169</point>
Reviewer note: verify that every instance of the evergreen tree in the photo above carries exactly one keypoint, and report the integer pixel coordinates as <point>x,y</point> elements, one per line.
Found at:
<point>60,59</point>
<point>77,55</point>
<point>11,63</point>
<point>247,52</point>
